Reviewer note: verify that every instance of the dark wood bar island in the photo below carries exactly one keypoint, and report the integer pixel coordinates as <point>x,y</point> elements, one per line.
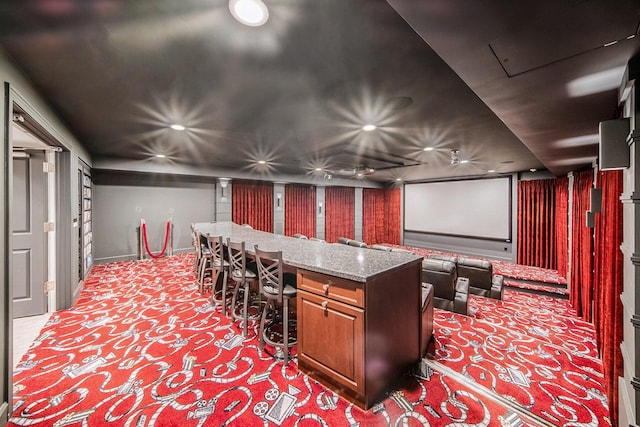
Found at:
<point>358,310</point>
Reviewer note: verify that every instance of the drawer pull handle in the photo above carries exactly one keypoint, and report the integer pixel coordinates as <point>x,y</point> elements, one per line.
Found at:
<point>324,305</point>
<point>325,287</point>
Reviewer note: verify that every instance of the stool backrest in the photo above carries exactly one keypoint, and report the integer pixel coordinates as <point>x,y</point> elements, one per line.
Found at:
<point>237,257</point>
<point>269,269</point>
<point>216,247</point>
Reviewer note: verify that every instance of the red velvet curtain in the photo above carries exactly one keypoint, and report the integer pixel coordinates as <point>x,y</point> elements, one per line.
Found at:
<point>252,203</point>
<point>381,215</point>
<point>300,210</point>
<point>562,225</point>
<point>581,292</point>
<point>339,213</point>
<point>536,223</point>
<point>608,283</point>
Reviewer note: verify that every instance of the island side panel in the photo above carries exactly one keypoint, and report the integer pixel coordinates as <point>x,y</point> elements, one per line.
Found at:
<point>392,328</point>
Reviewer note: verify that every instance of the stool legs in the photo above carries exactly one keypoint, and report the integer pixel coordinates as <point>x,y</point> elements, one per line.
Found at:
<point>285,329</point>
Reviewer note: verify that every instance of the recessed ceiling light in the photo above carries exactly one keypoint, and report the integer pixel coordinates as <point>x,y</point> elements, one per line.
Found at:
<point>161,156</point>
<point>360,174</point>
<point>318,169</point>
<point>262,162</point>
<point>176,126</point>
<point>398,179</point>
<point>491,170</point>
<point>428,149</point>
<point>533,170</point>
<point>368,127</point>
<point>252,13</point>
<point>464,161</point>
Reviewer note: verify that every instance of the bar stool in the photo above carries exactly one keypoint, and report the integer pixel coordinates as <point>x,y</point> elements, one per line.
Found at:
<point>243,278</point>
<point>204,258</point>
<point>279,287</point>
<point>220,266</point>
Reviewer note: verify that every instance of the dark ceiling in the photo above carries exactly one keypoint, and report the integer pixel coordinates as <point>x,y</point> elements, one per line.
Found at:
<point>511,85</point>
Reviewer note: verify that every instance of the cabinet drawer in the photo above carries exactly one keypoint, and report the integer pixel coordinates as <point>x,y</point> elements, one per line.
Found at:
<point>335,288</point>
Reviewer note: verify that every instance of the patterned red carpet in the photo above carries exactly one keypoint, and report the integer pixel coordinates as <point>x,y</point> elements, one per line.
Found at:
<point>142,347</point>
<point>568,332</point>
<point>562,387</point>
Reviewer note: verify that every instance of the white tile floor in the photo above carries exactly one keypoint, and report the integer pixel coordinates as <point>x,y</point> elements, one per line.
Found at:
<point>25,331</point>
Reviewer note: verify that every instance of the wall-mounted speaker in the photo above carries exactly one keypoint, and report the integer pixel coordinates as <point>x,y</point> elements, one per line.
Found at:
<point>596,200</point>
<point>614,149</point>
<point>590,219</point>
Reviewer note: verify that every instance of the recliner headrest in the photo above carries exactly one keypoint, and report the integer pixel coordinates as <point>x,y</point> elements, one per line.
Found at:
<point>438,265</point>
<point>451,258</point>
<point>476,263</point>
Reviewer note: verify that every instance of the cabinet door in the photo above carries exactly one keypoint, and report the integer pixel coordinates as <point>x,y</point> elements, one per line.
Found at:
<point>331,339</point>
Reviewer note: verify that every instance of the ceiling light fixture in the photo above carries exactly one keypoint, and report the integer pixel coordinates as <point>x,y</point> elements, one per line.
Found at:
<point>454,157</point>
<point>318,169</point>
<point>252,13</point>
<point>369,127</point>
<point>262,162</point>
<point>161,156</point>
<point>398,179</point>
<point>464,161</point>
<point>533,170</point>
<point>176,126</point>
<point>428,149</point>
<point>491,171</point>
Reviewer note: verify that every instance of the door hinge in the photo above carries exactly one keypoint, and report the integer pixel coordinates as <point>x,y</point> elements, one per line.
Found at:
<point>49,226</point>
<point>48,167</point>
<point>50,285</point>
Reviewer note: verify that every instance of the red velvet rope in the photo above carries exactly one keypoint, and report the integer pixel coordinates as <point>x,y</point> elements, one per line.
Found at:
<point>146,243</point>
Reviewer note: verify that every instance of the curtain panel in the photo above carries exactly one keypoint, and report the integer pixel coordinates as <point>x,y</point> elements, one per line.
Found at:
<point>252,203</point>
<point>562,225</point>
<point>608,283</point>
<point>581,286</point>
<point>536,223</point>
<point>339,213</point>
<point>300,210</point>
<point>381,215</point>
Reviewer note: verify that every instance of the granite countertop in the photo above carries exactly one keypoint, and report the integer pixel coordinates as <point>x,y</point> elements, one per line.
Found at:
<point>348,262</point>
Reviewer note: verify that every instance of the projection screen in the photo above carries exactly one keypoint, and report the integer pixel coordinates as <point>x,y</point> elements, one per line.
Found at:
<point>479,208</point>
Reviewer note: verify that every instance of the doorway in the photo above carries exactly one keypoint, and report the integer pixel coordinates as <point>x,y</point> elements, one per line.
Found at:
<point>29,209</point>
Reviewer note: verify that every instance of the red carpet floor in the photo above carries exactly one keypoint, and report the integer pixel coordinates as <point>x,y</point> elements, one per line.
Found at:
<point>568,332</point>
<point>558,385</point>
<point>141,347</point>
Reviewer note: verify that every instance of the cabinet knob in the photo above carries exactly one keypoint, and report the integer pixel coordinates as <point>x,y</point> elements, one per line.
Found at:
<point>324,304</point>
<point>325,287</point>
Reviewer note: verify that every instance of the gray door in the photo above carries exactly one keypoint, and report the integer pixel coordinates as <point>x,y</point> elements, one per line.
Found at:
<point>28,216</point>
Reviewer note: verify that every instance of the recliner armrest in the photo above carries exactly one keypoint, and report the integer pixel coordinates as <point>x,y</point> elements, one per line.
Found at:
<point>496,287</point>
<point>461,301</point>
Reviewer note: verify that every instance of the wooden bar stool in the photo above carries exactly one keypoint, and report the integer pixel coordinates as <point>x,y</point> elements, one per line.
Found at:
<point>276,287</point>
<point>221,267</point>
<point>243,278</point>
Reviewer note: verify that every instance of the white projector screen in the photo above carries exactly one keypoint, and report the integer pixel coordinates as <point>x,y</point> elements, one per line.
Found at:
<point>479,208</point>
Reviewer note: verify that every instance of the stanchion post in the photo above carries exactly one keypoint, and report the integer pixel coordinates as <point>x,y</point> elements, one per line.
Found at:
<point>170,236</point>
<point>141,240</point>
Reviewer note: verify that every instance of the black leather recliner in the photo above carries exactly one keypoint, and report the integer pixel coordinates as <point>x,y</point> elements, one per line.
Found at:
<point>482,281</point>
<point>451,292</point>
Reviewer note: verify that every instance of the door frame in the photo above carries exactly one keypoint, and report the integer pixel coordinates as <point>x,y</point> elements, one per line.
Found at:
<point>15,103</point>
